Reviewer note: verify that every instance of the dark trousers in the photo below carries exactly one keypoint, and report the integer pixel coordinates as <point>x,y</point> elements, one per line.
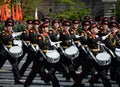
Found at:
<point>80,60</point>
<point>50,76</point>
<point>88,66</point>
<point>31,55</point>
<point>36,68</point>
<point>115,65</point>
<point>28,61</point>
<point>68,66</point>
<point>4,55</point>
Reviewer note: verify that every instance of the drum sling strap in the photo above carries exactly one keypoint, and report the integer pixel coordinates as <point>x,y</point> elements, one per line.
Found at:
<point>91,54</point>
<point>110,51</point>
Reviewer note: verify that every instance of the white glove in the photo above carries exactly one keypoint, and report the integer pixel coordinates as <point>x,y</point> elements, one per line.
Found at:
<point>104,37</point>
<point>52,43</point>
<point>79,44</point>
<point>13,35</point>
<point>58,36</point>
<point>58,45</point>
<point>77,36</point>
<point>16,34</point>
<point>37,48</point>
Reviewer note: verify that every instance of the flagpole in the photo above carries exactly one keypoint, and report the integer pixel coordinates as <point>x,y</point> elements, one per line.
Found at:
<point>21,3</point>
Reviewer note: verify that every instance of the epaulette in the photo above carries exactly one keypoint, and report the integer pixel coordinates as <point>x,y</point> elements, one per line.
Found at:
<point>82,34</point>
<point>51,31</point>
<point>24,31</point>
<point>72,31</point>
<point>31,30</point>
<point>3,31</point>
<point>63,33</point>
<point>40,37</point>
<point>90,37</point>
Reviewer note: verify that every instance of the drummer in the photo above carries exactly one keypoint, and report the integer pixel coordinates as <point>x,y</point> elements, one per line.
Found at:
<point>84,33</point>
<point>113,42</point>
<point>35,56</point>
<point>25,39</point>
<point>7,43</point>
<point>29,38</point>
<point>67,41</point>
<point>90,63</point>
<point>45,44</point>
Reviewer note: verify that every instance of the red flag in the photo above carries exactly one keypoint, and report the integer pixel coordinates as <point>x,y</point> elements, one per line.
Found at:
<point>3,12</point>
<point>20,13</point>
<point>13,12</point>
<point>17,13</point>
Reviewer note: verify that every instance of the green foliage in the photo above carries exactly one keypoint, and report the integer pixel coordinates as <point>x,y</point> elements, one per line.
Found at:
<point>117,10</point>
<point>29,7</point>
<point>76,10</point>
<point>29,17</point>
<point>65,1</point>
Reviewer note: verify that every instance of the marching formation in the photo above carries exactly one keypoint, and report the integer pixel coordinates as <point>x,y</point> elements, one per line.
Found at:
<point>63,46</point>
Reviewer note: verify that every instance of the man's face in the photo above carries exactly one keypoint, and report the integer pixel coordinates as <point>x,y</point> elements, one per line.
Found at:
<point>66,28</point>
<point>95,30</point>
<point>105,26</point>
<point>46,29</point>
<point>85,27</point>
<point>29,26</point>
<point>75,25</point>
<point>56,25</point>
<point>9,28</point>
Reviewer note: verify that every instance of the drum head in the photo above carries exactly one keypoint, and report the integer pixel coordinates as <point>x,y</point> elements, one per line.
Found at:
<point>103,58</point>
<point>15,51</point>
<point>52,56</point>
<point>71,50</point>
<point>117,52</point>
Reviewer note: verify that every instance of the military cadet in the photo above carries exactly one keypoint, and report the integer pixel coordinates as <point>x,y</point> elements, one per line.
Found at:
<point>104,28</point>
<point>7,42</point>
<point>55,30</point>
<point>74,32</point>
<point>84,33</point>
<point>37,57</point>
<point>25,39</point>
<point>67,41</point>
<point>45,43</point>
<point>90,63</point>
<point>29,39</point>
<point>113,42</point>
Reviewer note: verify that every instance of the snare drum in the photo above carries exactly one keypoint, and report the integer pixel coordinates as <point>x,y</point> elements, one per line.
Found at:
<point>52,56</point>
<point>72,52</point>
<point>103,59</point>
<point>117,52</point>
<point>15,51</point>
